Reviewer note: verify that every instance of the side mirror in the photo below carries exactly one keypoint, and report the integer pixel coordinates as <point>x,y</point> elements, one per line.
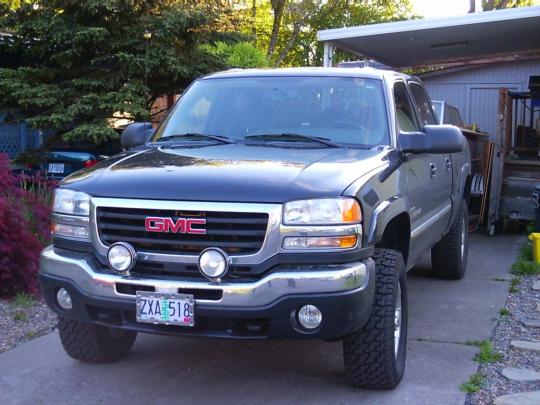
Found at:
<point>136,134</point>
<point>434,139</point>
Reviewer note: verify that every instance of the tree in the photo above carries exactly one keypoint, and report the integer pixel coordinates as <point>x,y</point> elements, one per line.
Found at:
<point>488,5</point>
<point>241,54</point>
<point>69,65</point>
<point>278,7</point>
<point>500,4</point>
<point>289,34</point>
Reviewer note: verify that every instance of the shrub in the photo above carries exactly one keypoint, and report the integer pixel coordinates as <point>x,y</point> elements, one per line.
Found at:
<point>242,54</point>
<point>24,229</point>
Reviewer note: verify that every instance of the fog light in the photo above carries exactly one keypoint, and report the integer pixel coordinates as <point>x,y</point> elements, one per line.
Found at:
<point>213,263</point>
<point>64,299</point>
<point>121,257</point>
<point>309,316</point>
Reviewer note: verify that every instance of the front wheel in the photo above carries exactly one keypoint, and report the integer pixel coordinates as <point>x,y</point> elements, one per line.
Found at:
<point>94,343</point>
<point>374,356</point>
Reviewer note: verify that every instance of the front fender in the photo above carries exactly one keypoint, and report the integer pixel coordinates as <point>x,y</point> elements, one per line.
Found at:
<point>381,216</point>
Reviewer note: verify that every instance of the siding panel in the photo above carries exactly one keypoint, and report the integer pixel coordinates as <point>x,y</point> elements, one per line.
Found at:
<point>474,90</point>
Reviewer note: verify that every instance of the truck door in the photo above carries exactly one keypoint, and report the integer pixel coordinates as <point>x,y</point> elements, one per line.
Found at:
<point>441,172</point>
<point>418,176</point>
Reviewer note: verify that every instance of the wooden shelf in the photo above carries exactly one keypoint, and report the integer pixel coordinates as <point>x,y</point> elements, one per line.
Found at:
<point>522,162</point>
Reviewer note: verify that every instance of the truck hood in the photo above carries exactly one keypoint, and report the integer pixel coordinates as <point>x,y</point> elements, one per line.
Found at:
<point>232,172</point>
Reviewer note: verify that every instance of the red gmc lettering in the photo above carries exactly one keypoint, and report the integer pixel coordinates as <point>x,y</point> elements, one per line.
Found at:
<point>181,225</point>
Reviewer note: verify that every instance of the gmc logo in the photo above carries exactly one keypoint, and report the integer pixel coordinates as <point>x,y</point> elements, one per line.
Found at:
<point>182,225</point>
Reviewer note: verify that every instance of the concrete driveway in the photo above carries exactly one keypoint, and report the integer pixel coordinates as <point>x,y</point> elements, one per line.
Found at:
<point>442,316</point>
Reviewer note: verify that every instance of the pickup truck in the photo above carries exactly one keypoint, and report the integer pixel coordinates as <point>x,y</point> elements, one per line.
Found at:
<point>269,204</point>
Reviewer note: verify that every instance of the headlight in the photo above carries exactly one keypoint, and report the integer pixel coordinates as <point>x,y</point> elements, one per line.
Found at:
<point>71,202</point>
<point>71,210</point>
<point>324,211</point>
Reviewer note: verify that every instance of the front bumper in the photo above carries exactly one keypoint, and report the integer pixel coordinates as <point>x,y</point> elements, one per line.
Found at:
<point>265,308</point>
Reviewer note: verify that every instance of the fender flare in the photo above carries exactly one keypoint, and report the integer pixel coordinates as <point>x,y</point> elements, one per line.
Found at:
<point>381,216</point>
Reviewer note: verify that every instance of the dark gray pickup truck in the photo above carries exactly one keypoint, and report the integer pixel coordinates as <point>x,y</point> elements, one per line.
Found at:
<point>270,204</point>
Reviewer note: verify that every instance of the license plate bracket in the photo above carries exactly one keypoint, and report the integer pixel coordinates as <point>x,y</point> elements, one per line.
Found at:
<point>165,309</point>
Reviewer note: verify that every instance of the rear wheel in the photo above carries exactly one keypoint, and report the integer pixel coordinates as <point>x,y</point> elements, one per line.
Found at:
<point>93,343</point>
<point>449,255</point>
<point>374,356</point>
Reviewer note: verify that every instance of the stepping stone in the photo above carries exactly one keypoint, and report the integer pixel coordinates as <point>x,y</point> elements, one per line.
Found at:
<point>524,345</point>
<point>521,398</point>
<point>520,374</point>
<point>531,323</point>
<point>536,285</point>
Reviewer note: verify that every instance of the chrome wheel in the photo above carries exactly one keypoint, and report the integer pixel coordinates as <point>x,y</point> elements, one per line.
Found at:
<point>397,320</point>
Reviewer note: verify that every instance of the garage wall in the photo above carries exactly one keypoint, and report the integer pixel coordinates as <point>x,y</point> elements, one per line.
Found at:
<point>474,90</point>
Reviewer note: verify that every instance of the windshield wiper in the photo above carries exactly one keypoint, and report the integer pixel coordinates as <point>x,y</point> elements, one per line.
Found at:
<point>221,139</point>
<point>299,137</point>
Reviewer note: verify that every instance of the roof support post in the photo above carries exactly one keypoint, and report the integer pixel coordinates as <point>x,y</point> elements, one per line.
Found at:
<point>328,54</point>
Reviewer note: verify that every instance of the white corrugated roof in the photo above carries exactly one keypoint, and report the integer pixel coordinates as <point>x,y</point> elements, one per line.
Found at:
<point>443,40</point>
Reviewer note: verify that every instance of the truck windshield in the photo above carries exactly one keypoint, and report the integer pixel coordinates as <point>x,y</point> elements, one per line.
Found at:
<point>341,110</point>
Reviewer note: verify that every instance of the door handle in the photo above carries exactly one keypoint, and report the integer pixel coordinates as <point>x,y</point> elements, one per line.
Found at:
<point>448,163</point>
<point>432,169</point>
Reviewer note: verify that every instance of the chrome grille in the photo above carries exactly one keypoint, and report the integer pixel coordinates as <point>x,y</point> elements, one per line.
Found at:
<point>236,233</point>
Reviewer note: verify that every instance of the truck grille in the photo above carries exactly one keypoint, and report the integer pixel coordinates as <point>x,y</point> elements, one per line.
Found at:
<point>235,233</point>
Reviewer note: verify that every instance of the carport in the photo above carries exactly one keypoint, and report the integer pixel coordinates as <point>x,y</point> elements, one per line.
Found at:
<point>472,38</point>
<point>453,44</point>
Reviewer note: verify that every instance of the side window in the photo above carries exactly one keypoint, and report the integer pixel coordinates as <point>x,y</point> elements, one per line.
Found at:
<point>423,106</point>
<point>404,109</point>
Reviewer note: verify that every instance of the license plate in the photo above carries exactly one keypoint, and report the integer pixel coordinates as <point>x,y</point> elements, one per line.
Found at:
<point>56,168</point>
<point>166,309</point>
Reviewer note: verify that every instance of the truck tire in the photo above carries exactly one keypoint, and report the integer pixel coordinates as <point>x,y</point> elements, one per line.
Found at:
<point>374,356</point>
<point>93,343</point>
<point>449,255</point>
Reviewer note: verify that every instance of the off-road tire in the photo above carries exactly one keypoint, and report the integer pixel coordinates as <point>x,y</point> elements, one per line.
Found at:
<point>93,343</point>
<point>447,259</point>
<point>369,353</point>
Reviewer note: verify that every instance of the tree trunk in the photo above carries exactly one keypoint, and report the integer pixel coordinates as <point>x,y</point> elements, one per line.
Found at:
<point>472,6</point>
<point>278,6</point>
<point>290,43</point>
<point>254,19</point>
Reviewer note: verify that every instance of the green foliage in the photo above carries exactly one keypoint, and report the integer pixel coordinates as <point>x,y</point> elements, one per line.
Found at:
<point>297,43</point>
<point>241,54</point>
<point>516,281</point>
<point>504,312</point>
<point>30,334</point>
<point>22,300</point>
<point>526,252</point>
<point>20,316</point>
<point>475,383</point>
<point>500,4</point>
<point>70,65</point>
<point>525,266</point>
<point>487,354</point>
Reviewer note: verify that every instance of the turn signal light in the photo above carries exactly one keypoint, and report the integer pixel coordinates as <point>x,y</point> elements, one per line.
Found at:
<point>320,242</point>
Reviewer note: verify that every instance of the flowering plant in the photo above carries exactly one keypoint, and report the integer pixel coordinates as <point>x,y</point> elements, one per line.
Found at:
<point>25,203</point>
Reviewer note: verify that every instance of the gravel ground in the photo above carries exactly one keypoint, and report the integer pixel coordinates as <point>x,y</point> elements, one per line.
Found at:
<point>521,304</point>
<point>21,322</point>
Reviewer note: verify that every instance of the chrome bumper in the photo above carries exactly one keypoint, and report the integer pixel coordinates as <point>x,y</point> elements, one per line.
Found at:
<point>80,269</point>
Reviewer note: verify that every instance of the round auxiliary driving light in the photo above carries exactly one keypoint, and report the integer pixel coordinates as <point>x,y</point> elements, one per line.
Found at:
<point>309,316</point>
<point>213,263</point>
<point>121,257</point>
<point>64,299</point>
